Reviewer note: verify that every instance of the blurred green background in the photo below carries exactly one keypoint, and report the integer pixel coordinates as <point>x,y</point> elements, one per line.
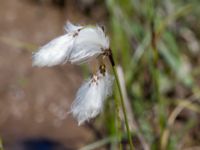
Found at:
<point>156,47</point>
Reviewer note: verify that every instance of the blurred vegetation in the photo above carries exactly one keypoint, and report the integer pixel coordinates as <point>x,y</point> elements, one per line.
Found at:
<point>1,145</point>
<point>157,45</point>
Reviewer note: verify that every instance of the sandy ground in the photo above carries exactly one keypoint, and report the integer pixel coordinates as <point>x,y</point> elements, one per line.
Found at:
<point>34,102</point>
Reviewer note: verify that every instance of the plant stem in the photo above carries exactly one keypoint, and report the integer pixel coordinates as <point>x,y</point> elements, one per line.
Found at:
<point>99,143</point>
<point>122,100</point>
<point>155,75</point>
<point>118,123</point>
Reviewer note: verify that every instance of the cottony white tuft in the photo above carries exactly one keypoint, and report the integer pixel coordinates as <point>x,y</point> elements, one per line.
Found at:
<point>91,96</point>
<point>55,52</point>
<point>69,27</point>
<point>90,43</point>
<point>78,45</point>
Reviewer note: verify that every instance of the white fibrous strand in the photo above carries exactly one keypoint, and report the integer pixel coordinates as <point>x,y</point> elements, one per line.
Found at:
<point>80,44</point>
<point>90,97</point>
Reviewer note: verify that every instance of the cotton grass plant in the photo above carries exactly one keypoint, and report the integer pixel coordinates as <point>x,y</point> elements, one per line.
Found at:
<point>81,44</point>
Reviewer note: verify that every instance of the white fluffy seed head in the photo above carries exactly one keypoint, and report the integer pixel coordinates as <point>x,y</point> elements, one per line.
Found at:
<point>80,44</point>
<point>90,43</point>
<point>91,96</point>
<point>55,52</point>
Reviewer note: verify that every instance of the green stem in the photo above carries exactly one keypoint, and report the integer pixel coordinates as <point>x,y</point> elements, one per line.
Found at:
<point>155,73</point>
<point>122,100</point>
<point>118,123</point>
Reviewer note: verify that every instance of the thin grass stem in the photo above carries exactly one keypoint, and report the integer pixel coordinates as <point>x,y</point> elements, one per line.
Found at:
<point>121,100</point>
